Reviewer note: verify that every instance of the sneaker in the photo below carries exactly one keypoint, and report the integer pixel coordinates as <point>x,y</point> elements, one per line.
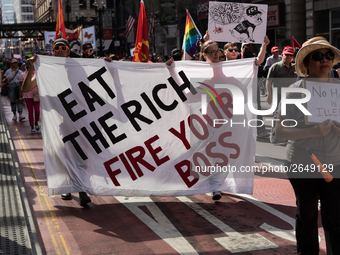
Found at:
<point>84,198</point>
<point>66,196</point>
<point>33,130</point>
<point>262,133</point>
<point>37,127</point>
<point>21,118</point>
<point>216,195</point>
<point>14,118</point>
<point>272,139</point>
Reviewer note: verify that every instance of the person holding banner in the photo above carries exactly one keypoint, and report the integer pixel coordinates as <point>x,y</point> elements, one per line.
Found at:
<point>309,144</point>
<point>61,48</point>
<point>29,91</point>
<point>230,51</point>
<point>210,52</point>
<point>87,50</point>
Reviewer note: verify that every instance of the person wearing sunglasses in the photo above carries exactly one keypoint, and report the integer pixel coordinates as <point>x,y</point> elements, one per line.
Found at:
<point>87,50</point>
<point>61,48</point>
<point>231,51</point>
<point>314,61</point>
<point>280,75</point>
<point>210,52</point>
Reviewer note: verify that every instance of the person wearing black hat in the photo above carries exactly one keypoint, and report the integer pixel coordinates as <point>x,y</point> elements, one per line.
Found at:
<point>176,54</point>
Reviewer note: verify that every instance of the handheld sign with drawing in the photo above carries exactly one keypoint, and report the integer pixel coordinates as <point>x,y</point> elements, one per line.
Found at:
<point>324,103</point>
<point>237,22</point>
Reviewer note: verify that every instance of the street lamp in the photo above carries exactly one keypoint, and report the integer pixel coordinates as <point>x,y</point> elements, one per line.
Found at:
<point>100,20</point>
<point>80,19</point>
<point>49,12</point>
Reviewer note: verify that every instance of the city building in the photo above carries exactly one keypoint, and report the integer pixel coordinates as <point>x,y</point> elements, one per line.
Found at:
<point>302,19</point>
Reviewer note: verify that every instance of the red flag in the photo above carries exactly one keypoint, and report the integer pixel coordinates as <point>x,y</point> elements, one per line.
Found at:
<point>141,53</point>
<point>60,22</point>
<point>295,43</point>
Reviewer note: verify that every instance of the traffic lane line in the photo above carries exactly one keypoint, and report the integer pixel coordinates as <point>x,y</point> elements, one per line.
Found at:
<point>51,222</point>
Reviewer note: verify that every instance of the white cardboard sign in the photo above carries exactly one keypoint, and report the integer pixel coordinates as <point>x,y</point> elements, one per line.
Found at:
<point>237,22</point>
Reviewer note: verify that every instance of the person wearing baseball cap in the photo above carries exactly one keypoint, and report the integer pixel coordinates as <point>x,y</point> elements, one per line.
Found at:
<point>61,48</point>
<point>314,62</point>
<point>280,75</point>
<point>12,76</point>
<point>274,58</point>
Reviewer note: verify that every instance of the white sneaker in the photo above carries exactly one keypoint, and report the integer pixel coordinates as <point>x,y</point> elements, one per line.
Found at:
<point>21,118</point>
<point>37,128</point>
<point>14,118</point>
<point>33,130</point>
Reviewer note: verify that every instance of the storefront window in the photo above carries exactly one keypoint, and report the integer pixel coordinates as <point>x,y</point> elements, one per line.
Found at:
<point>335,28</point>
<point>336,19</point>
<point>336,38</point>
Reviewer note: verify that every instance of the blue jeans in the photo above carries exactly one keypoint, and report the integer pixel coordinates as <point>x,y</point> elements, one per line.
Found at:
<point>13,96</point>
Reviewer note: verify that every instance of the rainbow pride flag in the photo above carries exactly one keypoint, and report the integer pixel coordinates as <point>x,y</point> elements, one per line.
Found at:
<point>191,38</point>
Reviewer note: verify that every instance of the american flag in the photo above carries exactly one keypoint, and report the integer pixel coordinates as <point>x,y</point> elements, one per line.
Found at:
<point>151,22</point>
<point>130,23</point>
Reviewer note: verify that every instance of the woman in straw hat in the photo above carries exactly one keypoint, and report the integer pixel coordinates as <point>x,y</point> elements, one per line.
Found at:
<point>313,61</point>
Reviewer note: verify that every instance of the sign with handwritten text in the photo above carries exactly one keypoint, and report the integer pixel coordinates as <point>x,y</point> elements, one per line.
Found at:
<point>324,103</point>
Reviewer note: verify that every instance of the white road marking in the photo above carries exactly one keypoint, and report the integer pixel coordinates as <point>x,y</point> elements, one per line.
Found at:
<point>286,234</point>
<point>162,226</point>
<point>234,242</point>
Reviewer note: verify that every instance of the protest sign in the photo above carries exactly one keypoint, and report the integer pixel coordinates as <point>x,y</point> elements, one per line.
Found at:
<point>136,129</point>
<point>237,22</point>
<point>324,103</point>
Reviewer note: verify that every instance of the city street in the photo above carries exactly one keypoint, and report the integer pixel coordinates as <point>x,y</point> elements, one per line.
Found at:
<point>259,224</point>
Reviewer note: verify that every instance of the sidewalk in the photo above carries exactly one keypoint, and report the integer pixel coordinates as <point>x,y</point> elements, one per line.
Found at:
<point>17,230</point>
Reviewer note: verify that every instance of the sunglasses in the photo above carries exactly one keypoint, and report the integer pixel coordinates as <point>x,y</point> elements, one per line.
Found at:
<point>57,47</point>
<point>231,50</point>
<point>88,48</point>
<point>318,56</point>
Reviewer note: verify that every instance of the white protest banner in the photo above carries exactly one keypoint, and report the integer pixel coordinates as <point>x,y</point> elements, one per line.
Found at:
<point>89,36</point>
<point>237,22</point>
<point>324,103</point>
<point>136,129</point>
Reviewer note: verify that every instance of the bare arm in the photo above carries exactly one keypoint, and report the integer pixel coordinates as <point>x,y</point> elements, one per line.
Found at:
<point>29,81</point>
<point>262,54</point>
<point>206,37</point>
<point>293,133</point>
<point>269,91</point>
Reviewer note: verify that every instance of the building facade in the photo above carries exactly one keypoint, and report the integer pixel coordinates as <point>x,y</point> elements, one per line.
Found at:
<point>302,19</point>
